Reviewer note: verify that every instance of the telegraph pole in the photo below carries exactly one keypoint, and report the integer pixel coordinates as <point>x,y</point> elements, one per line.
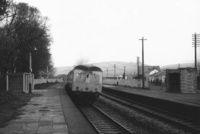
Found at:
<point>124,75</point>
<point>196,42</point>
<point>107,72</point>
<point>138,66</point>
<point>143,61</point>
<point>114,70</point>
<point>195,51</point>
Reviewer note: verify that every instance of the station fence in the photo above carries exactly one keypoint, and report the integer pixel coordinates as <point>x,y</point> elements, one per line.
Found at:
<point>127,82</point>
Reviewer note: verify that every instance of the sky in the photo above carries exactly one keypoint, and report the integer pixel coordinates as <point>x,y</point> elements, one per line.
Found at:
<point>95,31</point>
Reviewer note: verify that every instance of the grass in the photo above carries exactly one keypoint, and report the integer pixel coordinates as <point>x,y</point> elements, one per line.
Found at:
<point>10,102</point>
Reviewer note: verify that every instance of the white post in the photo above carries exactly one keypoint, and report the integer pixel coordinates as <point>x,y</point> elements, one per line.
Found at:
<point>24,80</point>
<point>27,83</point>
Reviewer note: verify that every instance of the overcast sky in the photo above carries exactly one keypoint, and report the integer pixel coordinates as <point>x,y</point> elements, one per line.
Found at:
<point>109,30</point>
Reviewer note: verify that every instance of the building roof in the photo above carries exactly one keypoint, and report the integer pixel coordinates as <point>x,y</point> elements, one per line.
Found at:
<point>160,73</point>
<point>153,72</point>
<point>88,68</point>
<point>148,69</point>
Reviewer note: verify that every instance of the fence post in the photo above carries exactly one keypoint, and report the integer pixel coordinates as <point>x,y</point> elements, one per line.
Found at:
<point>23,76</point>
<point>27,82</point>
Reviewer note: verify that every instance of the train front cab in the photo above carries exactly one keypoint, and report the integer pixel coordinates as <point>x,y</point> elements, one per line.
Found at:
<point>87,85</point>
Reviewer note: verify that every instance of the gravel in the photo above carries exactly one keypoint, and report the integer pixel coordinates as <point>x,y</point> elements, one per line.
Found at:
<point>136,121</point>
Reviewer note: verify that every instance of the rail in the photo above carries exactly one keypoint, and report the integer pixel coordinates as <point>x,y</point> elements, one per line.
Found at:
<point>172,118</point>
<point>102,122</point>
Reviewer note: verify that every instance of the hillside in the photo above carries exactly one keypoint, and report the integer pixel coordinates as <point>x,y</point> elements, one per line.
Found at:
<point>174,66</point>
<point>130,67</point>
<point>107,68</point>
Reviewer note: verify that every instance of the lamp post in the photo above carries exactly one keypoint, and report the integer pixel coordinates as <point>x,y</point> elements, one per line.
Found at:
<point>30,72</point>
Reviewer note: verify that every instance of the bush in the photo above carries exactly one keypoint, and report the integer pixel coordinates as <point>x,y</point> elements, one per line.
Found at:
<point>44,85</point>
<point>2,85</point>
<point>10,102</point>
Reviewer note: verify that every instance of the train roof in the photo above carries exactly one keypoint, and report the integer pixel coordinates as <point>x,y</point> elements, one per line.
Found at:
<point>88,68</point>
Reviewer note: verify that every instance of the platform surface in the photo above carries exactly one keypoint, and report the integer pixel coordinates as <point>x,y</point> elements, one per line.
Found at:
<point>189,98</point>
<point>51,113</point>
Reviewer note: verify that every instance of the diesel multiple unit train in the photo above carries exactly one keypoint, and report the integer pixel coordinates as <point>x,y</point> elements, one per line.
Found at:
<point>84,83</point>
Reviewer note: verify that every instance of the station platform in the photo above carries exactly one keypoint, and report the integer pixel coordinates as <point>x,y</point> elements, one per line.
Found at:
<point>155,92</point>
<point>53,112</point>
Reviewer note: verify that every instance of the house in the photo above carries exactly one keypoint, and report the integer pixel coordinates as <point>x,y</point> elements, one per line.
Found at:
<point>148,69</point>
<point>160,76</point>
<point>151,75</point>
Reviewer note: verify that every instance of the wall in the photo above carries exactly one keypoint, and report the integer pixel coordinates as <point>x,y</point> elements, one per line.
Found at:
<point>188,81</point>
<point>128,82</point>
<point>40,81</point>
<point>15,82</point>
<point>20,82</point>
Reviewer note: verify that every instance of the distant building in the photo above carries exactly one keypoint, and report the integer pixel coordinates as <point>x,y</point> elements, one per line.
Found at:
<point>153,72</point>
<point>159,76</point>
<point>148,69</point>
<point>151,76</point>
<point>117,77</point>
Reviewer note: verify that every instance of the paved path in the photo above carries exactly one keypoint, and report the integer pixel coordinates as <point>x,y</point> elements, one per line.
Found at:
<point>42,115</point>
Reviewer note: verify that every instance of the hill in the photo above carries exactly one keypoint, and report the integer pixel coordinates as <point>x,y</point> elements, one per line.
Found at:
<point>107,68</point>
<point>63,70</point>
<point>174,66</point>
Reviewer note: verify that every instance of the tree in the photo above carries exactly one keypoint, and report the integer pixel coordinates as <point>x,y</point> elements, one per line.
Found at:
<point>4,5</point>
<point>26,29</point>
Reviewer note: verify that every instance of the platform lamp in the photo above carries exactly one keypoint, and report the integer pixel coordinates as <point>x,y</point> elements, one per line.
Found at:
<point>30,71</point>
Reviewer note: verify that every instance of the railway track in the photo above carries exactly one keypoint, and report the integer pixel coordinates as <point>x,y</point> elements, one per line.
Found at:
<point>103,123</point>
<point>188,125</point>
